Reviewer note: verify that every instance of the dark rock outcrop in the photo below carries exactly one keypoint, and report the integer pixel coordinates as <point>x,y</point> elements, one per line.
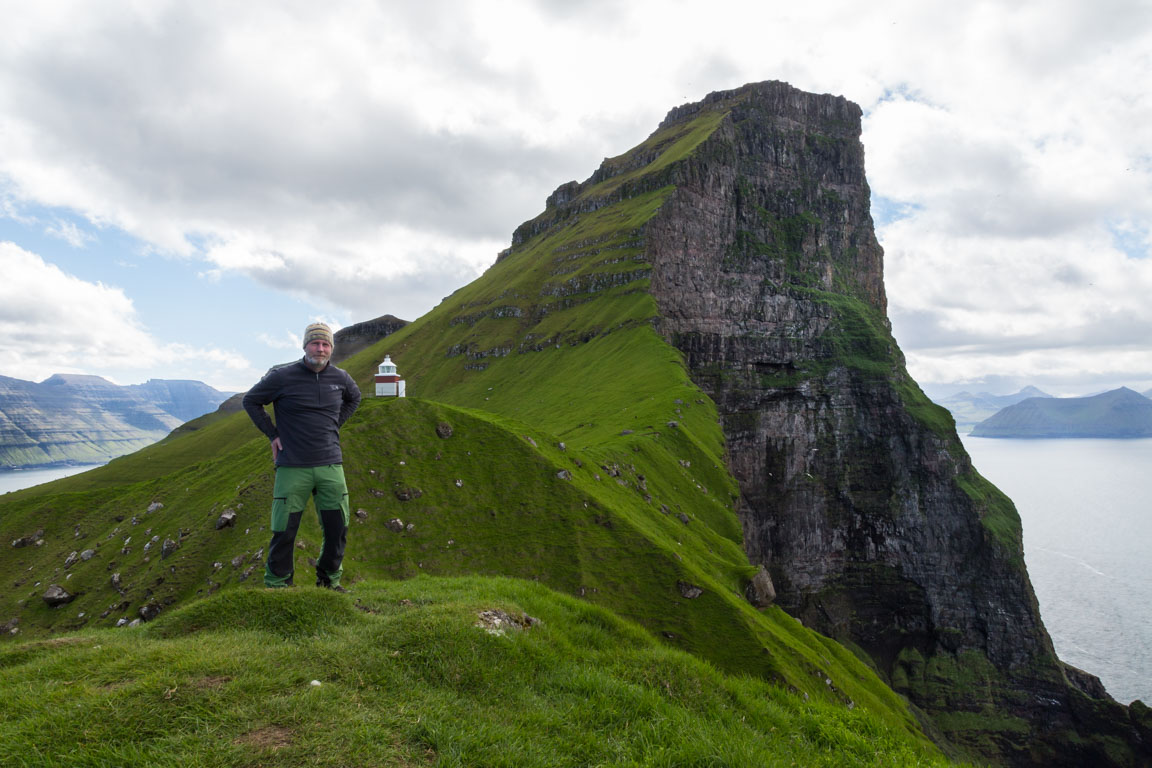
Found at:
<point>857,496</point>
<point>354,338</point>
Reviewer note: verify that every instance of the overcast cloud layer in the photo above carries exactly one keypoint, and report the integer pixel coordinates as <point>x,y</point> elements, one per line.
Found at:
<point>371,157</point>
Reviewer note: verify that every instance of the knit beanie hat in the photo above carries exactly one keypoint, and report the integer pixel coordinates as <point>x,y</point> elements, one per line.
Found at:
<point>318,331</point>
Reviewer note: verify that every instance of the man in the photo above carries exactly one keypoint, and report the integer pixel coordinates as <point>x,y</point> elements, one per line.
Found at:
<point>312,399</point>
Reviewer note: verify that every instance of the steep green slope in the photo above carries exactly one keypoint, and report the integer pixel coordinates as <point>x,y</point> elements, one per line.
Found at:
<point>462,672</point>
<point>482,500</point>
<point>551,435</point>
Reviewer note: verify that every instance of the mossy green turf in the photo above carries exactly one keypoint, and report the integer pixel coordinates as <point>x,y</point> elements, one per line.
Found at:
<point>554,344</point>
<point>408,676</point>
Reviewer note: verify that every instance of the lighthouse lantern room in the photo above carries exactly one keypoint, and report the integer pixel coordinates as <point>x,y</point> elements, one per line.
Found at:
<point>388,382</point>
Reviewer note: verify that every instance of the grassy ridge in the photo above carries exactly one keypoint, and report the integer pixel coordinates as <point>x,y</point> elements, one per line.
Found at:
<point>580,456</point>
<point>408,679</point>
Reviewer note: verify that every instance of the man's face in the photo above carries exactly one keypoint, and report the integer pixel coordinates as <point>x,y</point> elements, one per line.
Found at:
<point>317,352</point>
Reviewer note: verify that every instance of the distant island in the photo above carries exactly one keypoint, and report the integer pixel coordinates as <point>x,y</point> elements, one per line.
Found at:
<point>81,419</point>
<point>1120,413</point>
<point>970,409</point>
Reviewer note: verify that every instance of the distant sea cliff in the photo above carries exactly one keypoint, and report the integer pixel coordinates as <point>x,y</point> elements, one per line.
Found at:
<point>1120,413</point>
<point>79,419</point>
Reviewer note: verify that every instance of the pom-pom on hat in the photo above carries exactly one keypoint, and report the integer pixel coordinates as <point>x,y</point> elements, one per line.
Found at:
<point>318,331</point>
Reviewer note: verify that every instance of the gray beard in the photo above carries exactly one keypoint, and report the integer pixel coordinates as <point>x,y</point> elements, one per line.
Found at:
<point>315,362</point>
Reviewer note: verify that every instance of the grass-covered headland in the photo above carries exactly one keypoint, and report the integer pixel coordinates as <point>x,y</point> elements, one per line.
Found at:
<point>553,461</point>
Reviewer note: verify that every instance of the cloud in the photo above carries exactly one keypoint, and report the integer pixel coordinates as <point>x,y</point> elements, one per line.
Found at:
<point>69,233</point>
<point>276,138</point>
<point>373,157</point>
<point>53,322</point>
<point>978,306</point>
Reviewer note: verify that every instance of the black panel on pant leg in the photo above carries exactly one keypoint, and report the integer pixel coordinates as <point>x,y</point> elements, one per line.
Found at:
<point>335,538</point>
<point>280,549</point>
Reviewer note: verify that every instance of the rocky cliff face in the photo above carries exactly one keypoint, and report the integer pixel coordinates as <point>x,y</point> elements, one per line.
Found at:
<point>856,493</point>
<point>352,338</point>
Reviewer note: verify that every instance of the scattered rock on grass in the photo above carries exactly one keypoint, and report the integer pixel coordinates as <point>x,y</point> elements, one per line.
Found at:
<point>407,494</point>
<point>498,622</point>
<point>29,540</point>
<point>444,430</point>
<point>227,519</point>
<point>149,610</point>
<point>56,595</point>
<point>690,591</point>
<point>395,524</point>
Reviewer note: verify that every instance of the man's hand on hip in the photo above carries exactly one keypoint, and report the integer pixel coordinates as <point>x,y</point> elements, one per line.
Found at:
<point>276,448</point>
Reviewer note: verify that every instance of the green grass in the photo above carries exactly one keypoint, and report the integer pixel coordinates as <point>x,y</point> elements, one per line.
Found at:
<point>583,463</point>
<point>408,678</point>
<point>997,513</point>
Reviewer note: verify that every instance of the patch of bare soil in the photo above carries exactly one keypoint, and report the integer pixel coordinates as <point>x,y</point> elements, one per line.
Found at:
<point>271,737</point>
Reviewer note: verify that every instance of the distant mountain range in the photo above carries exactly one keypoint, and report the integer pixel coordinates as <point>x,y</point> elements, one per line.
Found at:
<point>969,410</point>
<point>1118,413</point>
<point>79,419</point>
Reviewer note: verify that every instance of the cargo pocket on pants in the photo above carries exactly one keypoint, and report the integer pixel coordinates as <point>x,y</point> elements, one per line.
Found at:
<point>279,515</point>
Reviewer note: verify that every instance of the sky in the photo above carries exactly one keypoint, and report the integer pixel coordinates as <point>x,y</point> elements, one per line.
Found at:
<point>185,185</point>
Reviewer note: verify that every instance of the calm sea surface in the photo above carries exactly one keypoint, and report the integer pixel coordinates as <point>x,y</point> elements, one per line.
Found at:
<point>15,479</point>
<point>1086,506</point>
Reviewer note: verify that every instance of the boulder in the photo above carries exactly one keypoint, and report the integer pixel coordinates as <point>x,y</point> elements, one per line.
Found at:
<point>56,595</point>
<point>760,591</point>
<point>227,519</point>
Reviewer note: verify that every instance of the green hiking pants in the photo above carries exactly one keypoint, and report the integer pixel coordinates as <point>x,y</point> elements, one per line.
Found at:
<point>294,486</point>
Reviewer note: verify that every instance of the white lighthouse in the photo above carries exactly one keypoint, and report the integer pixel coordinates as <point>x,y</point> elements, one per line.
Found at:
<point>388,382</point>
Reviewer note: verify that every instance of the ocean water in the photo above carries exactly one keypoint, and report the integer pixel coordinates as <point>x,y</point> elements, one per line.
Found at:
<point>15,479</point>
<point>1086,508</point>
